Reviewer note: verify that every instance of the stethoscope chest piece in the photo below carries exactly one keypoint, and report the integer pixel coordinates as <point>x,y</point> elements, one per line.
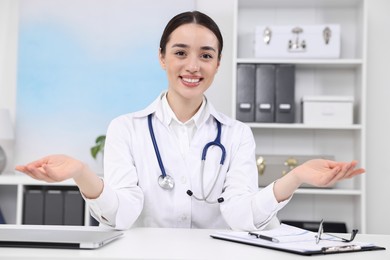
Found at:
<point>167,182</point>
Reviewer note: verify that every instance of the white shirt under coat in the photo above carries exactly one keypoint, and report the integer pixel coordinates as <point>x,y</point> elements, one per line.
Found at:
<point>132,197</point>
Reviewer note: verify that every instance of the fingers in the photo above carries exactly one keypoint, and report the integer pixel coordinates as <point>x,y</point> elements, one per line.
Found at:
<point>337,171</point>
<point>347,171</point>
<point>331,177</point>
<point>35,170</point>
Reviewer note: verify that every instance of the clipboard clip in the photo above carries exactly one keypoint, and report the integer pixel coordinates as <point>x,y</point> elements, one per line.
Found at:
<point>334,249</point>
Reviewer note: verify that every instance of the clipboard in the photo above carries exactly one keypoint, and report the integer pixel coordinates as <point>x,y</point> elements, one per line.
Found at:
<point>294,240</point>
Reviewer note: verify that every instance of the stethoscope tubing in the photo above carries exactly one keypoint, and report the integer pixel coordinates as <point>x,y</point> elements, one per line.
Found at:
<point>206,197</point>
<point>156,150</point>
<point>165,179</point>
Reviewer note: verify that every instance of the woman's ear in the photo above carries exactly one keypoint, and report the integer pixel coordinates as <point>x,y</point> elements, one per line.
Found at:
<point>219,63</point>
<point>161,58</point>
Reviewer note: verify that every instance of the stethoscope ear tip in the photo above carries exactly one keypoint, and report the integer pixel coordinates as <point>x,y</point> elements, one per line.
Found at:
<point>189,193</point>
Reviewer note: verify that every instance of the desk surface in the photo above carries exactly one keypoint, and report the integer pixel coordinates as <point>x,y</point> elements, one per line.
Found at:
<point>159,243</point>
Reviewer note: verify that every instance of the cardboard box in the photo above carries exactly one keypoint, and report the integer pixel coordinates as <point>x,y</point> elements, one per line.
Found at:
<point>297,41</point>
<point>333,110</point>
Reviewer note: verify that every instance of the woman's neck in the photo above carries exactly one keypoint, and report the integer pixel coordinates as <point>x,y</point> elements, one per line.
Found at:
<point>184,109</point>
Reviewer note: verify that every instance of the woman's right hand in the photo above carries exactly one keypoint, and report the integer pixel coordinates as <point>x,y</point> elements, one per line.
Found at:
<point>53,168</point>
<point>56,168</point>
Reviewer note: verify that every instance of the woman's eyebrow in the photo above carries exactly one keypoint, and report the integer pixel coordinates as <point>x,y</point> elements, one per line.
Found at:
<point>208,48</point>
<point>180,45</point>
<point>186,46</point>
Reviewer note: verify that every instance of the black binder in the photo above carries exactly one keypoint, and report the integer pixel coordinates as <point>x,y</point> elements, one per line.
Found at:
<point>73,208</point>
<point>265,93</point>
<point>33,207</point>
<point>2,219</point>
<point>285,93</point>
<point>53,210</point>
<point>245,105</point>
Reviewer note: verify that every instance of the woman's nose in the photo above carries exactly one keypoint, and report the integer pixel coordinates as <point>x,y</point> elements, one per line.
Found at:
<point>193,65</point>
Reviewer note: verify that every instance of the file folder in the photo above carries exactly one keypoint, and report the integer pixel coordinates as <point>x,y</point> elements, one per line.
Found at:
<point>285,93</point>
<point>2,219</point>
<point>245,105</point>
<point>73,208</point>
<point>53,210</point>
<point>33,207</point>
<point>265,93</point>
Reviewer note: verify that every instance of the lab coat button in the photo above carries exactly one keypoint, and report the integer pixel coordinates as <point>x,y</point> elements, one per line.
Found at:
<point>184,217</point>
<point>183,179</point>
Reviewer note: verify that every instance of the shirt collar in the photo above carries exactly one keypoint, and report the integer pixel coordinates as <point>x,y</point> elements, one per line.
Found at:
<point>157,108</point>
<point>169,115</point>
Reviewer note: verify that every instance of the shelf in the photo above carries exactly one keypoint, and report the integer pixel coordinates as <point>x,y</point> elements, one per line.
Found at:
<point>317,63</point>
<point>342,192</point>
<point>15,179</point>
<point>299,3</point>
<point>304,126</point>
<point>343,76</point>
<point>331,192</point>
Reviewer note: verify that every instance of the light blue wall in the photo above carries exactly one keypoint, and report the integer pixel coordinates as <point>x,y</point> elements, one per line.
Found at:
<point>82,63</point>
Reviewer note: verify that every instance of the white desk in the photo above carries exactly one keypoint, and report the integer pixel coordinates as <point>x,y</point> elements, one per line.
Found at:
<point>154,243</point>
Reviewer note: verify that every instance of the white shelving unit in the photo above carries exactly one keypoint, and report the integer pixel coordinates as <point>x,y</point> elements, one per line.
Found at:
<point>12,188</point>
<point>344,76</point>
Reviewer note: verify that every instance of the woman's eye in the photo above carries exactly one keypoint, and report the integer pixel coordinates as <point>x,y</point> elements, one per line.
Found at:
<point>207,56</point>
<point>180,53</point>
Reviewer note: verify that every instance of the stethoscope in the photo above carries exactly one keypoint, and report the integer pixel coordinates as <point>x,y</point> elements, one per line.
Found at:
<point>168,183</point>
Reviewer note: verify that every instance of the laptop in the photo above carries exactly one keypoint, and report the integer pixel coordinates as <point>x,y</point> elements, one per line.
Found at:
<point>43,237</point>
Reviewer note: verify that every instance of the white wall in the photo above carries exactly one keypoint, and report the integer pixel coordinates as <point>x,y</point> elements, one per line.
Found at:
<point>378,117</point>
<point>220,93</point>
<point>8,64</point>
<point>378,94</point>
<point>8,54</point>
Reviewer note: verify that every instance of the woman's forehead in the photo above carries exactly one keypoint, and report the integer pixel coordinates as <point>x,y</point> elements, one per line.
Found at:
<point>193,34</point>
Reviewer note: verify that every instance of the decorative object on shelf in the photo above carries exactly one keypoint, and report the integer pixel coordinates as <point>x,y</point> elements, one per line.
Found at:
<point>6,133</point>
<point>334,110</point>
<point>271,167</point>
<point>267,35</point>
<point>99,146</point>
<point>303,41</point>
<point>296,45</point>
<point>327,34</point>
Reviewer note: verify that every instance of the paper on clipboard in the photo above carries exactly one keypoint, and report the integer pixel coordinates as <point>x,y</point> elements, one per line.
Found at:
<point>295,240</point>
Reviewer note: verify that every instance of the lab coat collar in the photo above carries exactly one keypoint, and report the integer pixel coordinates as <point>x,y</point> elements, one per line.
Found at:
<point>156,107</point>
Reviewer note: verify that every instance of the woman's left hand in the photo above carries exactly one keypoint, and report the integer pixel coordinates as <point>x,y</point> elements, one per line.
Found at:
<point>317,172</point>
<point>324,173</point>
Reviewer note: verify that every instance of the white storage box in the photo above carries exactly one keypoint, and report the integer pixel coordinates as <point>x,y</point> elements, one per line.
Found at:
<point>335,110</point>
<point>302,41</point>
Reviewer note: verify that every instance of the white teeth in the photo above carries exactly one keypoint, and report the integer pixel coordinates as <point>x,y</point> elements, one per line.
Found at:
<point>191,80</point>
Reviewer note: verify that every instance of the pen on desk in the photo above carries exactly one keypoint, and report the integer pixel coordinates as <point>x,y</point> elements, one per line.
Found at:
<point>271,239</point>
<point>341,248</point>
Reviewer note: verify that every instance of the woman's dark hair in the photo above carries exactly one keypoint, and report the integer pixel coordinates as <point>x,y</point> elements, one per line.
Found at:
<point>195,17</point>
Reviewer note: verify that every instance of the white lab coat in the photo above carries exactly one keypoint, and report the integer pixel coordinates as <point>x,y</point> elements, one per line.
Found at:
<point>132,197</point>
